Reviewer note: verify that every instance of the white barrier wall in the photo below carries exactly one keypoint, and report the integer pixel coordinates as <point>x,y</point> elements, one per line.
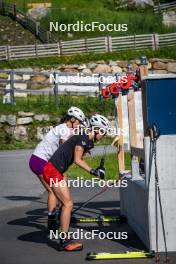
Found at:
<point>138,201</point>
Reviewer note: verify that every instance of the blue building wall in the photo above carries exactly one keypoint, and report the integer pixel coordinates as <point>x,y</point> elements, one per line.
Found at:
<point>161,104</point>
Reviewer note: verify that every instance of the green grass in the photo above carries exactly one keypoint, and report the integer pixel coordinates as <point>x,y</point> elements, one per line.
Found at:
<point>17,36</point>
<point>69,12</point>
<point>9,143</point>
<point>14,145</point>
<point>111,166</point>
<point>46,104</point>
<point>48,62</point>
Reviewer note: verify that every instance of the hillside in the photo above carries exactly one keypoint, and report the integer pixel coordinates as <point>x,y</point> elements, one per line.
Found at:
<point>11,33</point>
<point>140,21</point>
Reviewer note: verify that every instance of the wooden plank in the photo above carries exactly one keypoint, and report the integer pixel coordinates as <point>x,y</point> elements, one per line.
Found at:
<point>144,105</point>
<point>143,69</point>
<point>121,155</point>
<point>93,45</point>
<point>132,118</point>
<point>73,48</point>
<point>23,53</point>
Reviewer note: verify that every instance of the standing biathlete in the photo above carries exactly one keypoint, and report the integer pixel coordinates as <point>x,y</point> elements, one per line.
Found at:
<point>72,151</point>
<point>46,148</point>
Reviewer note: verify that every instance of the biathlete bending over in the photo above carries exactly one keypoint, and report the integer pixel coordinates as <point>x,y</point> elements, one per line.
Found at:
<point>46,148</point>
<point>72,151</point>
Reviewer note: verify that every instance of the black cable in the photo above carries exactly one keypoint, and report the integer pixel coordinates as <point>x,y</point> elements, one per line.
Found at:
<point>154,135</point>
<point>90,199</point>
<point>156,199</point>
<point>160,203</point>
<point>104,189</point>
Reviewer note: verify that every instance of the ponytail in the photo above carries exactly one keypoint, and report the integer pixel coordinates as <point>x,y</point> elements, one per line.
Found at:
<point>64,119</point>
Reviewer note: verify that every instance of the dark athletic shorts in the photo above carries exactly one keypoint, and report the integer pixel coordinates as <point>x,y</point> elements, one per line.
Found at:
<point>51,173</point>
<point>37,164</point>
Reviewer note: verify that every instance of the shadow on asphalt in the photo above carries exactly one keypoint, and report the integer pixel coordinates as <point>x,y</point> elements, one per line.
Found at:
<point>37,218</point>
<point>23,198</point>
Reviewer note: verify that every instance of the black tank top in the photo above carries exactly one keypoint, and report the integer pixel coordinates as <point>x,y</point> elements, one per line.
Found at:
<point>64,155</point>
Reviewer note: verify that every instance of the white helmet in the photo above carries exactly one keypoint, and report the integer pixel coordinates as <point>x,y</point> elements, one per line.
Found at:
<point>100,121</point>
<point>77,113</point>
<point>86,123</point>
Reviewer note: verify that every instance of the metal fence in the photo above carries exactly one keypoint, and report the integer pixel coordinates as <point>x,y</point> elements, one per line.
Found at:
<point>89,45</point>
<point>27,22</point>
<point>164,7</point>
<point>53,85</point>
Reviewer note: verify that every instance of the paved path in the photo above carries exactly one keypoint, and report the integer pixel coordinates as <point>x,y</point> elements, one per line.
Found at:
<point>23,223</point>
<point>23,237</point>
<point>19,185</point>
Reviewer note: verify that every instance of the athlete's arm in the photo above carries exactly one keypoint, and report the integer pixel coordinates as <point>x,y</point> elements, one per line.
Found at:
<point>78,155</point>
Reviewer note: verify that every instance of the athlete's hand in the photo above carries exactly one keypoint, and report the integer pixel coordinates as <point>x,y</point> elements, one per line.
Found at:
<point>100,172</point>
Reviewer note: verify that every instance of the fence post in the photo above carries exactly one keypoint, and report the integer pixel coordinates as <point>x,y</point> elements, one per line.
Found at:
<point>36,49</point>
<point>2,8</point>
<point>60,45</point>
<point>12,97</point>
<point>58,48</point>
<point>86,46</point>
<point>155,41</point>
<point>37,25</point>
<point>26,22</point>
<point>108,44</point>
<point>159,8</point>
<point>48,36</point>
<point>14,11</point>
<point>56,89</point>
<point>135,42</point>
<point>8,52</point>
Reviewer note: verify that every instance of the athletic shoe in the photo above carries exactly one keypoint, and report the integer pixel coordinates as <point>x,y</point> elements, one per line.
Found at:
<point>69,245</point>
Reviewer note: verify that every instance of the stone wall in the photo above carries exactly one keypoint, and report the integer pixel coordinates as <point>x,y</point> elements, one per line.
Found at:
<point>28,126</point>
<point>155,65</point>
<point>25,126</point>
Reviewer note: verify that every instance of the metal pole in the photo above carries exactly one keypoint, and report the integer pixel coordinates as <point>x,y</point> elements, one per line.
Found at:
<point>14,11</point>
<point>2,8</point>
<point>12,97</point>
<point>56,90</point>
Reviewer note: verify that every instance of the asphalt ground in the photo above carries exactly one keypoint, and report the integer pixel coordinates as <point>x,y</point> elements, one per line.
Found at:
<point>18,184</point>
<point>23,236</point>
<point>23,232</point>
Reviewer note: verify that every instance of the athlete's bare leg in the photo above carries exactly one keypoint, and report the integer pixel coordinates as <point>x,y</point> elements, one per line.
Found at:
<point>63,194</point>
<point>52,199</point>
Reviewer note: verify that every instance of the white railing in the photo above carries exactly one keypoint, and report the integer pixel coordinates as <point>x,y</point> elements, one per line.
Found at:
<point>163,7</point>
<point>89,45</point>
